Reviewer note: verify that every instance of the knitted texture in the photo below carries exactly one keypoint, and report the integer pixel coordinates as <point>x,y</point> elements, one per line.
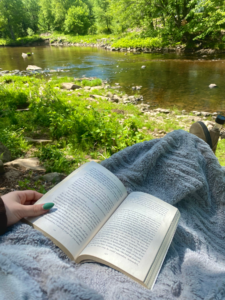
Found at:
<point>180,169</point>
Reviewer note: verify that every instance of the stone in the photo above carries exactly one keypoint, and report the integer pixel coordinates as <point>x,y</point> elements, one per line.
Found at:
<point>143,67</point>
<point>205,114</point>
<point>5,154</point>
<point>222,136</point>
<point>24,55</point>
<point>98,87</point>
<point>70,86</point>
<point>197,113</point>
<point>53,177</point>
<point>138,87</point>
<point>212,85</point>
<point>98,97</point>
<point>12,174</point>
<point>2,170</point>
<point>134,88</point>
<point>109,95</point>
<point>87,88</point>
<point>33,68</point>
<point>161,110</point>
<point>115,99</point>
<point>37,141</point>
<point>117,84</point>
<point>32,163</point>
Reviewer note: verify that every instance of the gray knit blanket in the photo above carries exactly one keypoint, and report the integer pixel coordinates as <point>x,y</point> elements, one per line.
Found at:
<point>180,169</point>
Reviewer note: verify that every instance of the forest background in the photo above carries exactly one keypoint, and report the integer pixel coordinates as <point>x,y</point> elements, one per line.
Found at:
<point>169,22</point>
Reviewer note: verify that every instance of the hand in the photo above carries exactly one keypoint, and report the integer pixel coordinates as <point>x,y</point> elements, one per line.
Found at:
<point>18,205</point>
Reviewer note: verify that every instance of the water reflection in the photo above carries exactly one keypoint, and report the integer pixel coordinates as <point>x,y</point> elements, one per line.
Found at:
<point>168,79</point>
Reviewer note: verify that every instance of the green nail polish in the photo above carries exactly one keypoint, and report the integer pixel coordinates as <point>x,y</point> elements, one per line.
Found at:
<point>48,205</point>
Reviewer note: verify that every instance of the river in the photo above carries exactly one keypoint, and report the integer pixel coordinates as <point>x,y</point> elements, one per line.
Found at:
<point>168,79</point>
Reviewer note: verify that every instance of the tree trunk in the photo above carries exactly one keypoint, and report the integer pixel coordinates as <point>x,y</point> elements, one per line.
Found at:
<point>11,30</point>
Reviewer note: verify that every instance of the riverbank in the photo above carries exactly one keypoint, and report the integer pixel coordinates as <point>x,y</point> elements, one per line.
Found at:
<point>124,42</point>
<point>64,122</point>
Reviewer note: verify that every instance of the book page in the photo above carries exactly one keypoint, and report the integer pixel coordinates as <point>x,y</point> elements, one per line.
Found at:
<point>132,236</point>
<point>83,202</point>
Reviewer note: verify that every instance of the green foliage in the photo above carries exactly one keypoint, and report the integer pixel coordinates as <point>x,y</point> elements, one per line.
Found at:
<point>94,82</point>
<point>134,41</point>
<point>14,141</point>
<point>103,16</point>
<point>77,19</point>
<point>30,32</point>
<point>54,159</point>
<point>220,152</point>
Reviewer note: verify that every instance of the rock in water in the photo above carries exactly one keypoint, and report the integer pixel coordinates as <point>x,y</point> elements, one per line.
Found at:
<point>33,68</point>
<point>143,67</point>
<point>212,85</point>
<point>24,55</point>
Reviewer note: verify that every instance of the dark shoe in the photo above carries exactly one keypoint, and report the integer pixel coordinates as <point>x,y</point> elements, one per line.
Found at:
<point>210,137</point>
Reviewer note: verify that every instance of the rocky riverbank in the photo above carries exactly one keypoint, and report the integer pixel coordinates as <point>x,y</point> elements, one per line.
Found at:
<point>105,43</point>
<point>55,124</point>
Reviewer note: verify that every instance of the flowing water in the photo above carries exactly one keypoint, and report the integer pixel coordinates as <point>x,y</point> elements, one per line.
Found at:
<point>168,79</point>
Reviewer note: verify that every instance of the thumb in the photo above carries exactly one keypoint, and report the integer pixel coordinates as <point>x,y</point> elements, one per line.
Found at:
<point>36,210</point>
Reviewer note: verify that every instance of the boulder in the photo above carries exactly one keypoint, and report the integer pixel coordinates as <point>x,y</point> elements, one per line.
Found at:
<point>70,86</point>
<point>12,175</point>
<point>115,99</point>
<point>138,87</point>
<point>32,163</point>
<point>5,154</point>
<point>54,177</point>
<point>24,55</point>
<point>212,85</point>
<point>2,170</point>
<point>109,95</point>
<point>33,68</point>
<point>205,114</point>
<point>197,113</point>
<point>143,67</point>
<point>161,110</point>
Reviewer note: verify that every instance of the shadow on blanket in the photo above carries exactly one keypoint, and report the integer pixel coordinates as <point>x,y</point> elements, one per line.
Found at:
<point>180,169</point>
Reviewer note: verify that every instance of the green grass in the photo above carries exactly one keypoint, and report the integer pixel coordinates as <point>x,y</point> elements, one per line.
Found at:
<point>220,152</point>
<point>21,41</point>
<point>79,128</point>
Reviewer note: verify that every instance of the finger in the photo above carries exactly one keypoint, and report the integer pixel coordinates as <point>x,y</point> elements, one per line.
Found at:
<point>33,210</point>
<point>29,195</point>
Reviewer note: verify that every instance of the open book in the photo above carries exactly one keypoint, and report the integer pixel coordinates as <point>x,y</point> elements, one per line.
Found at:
<point>94,220</point>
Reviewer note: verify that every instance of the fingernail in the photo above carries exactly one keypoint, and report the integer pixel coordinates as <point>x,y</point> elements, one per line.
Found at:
<point>48,205</point>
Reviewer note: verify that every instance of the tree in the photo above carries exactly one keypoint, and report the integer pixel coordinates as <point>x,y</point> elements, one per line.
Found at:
<point>11,16</point>
<point>45,16</point>
<point>103,15</point>
<point>77,19</point>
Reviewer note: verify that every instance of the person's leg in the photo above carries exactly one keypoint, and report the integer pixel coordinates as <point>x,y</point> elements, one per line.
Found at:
<point>209,136</point>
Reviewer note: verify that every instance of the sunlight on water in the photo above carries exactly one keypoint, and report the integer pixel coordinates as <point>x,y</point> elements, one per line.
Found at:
<point>168,79</point>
